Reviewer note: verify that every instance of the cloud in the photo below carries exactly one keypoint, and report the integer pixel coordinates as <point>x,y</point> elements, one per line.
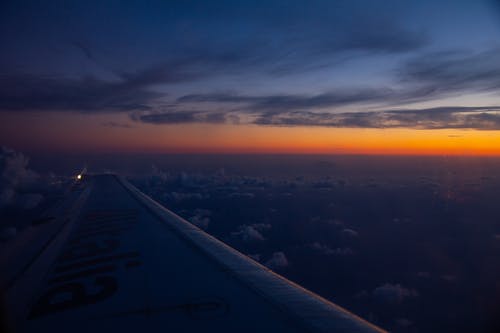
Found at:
<point>84,48</point>
<point>481,118</point>
<point>349,233</point>
<point>201,218</point>
<point>276,111</point>
<point>181,196</point>
<point>179,117</point>
<point>385,36</point>
<point>393,293</point>
<point>279,103</point>
<point>128,91</point>
<point>14,167</point>
<point>453,72</point>
<point>262,226</point>
<point>241,195</point>
<point>262,110</point>
<point>201,41</point>
<point>200,221</point>
<point>278,260</point>
<point>424,78</point>
<point>112,124</point>
<point>282,39</point>
<point>403,322</point>
<point>326,250</point>
<point>88,95</point>
<point>251,233</point>
<point>275,40</point>
<point>324,109</point>
<point>14,176</point>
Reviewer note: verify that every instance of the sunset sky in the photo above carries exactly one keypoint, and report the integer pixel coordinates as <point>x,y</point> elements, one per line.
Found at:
<point>348,77</point>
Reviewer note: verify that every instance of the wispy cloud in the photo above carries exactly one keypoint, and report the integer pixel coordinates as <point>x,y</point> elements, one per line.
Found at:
<point>444,73</point>
<point>127,92</point>
<point>280,103</point>
<point>179,117</point>
<point>113,124</point>
<point>272,39</point>
<point>482,118</point>
<point>278,260</point>
<point>424,78</point>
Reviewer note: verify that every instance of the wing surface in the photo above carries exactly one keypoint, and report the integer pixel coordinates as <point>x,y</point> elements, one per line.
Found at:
<point>122,262</point>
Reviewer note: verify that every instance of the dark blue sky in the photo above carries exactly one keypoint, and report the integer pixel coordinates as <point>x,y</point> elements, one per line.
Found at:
<point>278,63</point>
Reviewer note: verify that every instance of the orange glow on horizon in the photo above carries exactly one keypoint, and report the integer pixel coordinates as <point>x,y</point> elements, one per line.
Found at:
<point>86,133</point>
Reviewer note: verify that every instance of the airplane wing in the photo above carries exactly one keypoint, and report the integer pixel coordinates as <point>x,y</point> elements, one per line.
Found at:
<point>117,260</point>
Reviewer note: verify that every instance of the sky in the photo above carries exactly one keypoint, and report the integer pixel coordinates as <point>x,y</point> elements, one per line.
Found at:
<point>348,77</point>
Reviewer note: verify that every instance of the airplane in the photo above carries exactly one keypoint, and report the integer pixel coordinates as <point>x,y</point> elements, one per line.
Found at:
<point>110,258</point>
